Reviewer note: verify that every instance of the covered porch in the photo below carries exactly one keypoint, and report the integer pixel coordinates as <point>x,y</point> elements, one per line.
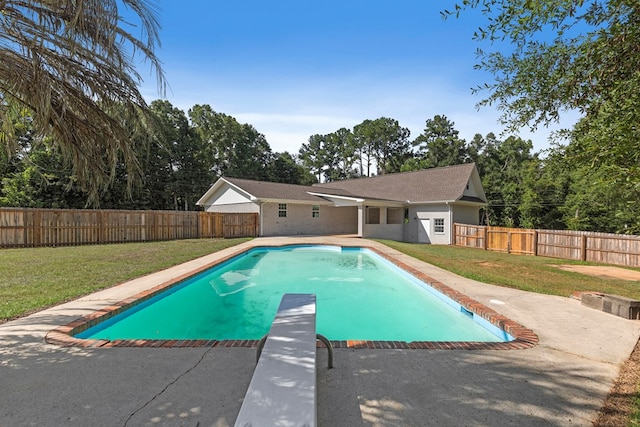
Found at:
<point>377,219</point>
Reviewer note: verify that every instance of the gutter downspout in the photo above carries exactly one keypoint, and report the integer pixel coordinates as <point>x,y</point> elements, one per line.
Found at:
<point>450,223</point>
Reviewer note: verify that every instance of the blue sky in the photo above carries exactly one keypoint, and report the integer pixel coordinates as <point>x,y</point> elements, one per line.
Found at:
<point>296,68</point>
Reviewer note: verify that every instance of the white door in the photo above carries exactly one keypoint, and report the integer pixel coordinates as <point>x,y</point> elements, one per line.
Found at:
<point>424,231</point>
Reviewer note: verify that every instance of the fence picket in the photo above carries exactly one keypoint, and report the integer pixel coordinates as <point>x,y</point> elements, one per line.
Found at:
<point>575,245</point>
<point>22,227</point>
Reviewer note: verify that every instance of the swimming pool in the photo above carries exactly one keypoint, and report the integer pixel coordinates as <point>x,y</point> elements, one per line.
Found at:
<point>360,296</point>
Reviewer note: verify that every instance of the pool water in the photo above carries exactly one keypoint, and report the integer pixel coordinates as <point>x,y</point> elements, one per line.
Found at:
<point>359,296</point>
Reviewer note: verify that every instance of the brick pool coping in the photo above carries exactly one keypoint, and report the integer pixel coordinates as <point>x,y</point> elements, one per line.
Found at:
<point>524,337</point>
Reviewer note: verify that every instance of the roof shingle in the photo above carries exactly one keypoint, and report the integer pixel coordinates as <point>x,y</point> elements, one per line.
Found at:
<point>275,190</point>
<point>428,185</point>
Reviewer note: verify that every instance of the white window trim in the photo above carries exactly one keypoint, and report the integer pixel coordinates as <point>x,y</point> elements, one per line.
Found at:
<point>281,210</point>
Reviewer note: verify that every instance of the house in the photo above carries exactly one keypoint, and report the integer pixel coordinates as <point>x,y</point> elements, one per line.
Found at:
<point>418,206</point>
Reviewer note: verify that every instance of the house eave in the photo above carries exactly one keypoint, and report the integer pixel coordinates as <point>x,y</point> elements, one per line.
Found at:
<point>447,202</point>
<point>216,186</point>
<point>332,196</point>
<point>470,203</point>
<point>430,202</point>
<point>293,201</point>
<point>383,202</point>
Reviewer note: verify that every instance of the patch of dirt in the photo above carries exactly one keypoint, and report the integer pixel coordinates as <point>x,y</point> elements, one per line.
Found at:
<point>488,264</point>
<point>604,272</point>
<point>619,404</point>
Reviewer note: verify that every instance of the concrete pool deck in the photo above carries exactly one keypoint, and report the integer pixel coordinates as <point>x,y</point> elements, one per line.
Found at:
<point>561,381</point>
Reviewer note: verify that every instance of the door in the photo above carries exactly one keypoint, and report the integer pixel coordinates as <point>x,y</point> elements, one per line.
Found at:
<point>424,230</point>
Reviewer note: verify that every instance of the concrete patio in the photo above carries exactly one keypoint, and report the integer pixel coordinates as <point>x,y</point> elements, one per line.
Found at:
<point>561,381</point>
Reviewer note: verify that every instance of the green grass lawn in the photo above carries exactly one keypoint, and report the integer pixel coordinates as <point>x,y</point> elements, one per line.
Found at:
<point>528,273</point>
<point>35,278</point>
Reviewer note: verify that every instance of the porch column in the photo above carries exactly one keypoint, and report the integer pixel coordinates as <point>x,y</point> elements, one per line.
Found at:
<point>261,219</point>
<point>361,213</point>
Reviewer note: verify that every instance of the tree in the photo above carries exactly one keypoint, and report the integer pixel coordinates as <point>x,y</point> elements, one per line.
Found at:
<point>545,185</point>
<point>175,171</point>
<point>602,196</point>
<point>232,149</point>
<point>561,54</point>
<point>392,146</point>
<point>381,141</point>
<point>364,140</point>
<point>251,154</point>
<point>339,154</point>
<point>285,169</point>
<point>439,145</point>
<point>35,175</point>
<point>476,148</point>
<point>581,55</point>
<point>592,206</point>
<point>42,179</point>
<point>313,155</point>
<point>505,164</point>
<point>68,64</point>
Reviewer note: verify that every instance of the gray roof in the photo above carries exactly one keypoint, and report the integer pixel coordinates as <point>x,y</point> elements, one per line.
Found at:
<point>275,190</point>
<point>428,185</point>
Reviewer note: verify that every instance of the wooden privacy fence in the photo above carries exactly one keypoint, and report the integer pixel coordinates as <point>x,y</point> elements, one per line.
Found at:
<point>228,225</point>
<point>64,227</point>
<point>575,245</point>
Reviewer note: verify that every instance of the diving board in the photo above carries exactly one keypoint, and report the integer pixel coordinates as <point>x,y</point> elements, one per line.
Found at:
<point>282,391</point>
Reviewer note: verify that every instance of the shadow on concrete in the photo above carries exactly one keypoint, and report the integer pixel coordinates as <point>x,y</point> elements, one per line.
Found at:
<point>44,385</point>
<point>452,388</point>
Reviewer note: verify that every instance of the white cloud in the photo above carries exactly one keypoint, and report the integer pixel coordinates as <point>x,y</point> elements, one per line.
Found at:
<point>287,132</point>
<point>288,112</point>
<point>291,121</point>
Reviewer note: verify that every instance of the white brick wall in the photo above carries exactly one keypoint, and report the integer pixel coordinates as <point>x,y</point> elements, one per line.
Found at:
<point>299,220</point>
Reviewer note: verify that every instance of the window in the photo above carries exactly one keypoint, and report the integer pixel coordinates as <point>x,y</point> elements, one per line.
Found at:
<point>373,215</point>
<point>282,210</point>
<point>395,215</point>
<point>438,225</point>
<point>315,212</point>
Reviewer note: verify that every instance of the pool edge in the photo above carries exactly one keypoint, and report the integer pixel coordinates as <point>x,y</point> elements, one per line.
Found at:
<point>523,337</point>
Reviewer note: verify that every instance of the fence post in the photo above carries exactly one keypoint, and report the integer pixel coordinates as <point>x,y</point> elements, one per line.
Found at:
<point>219,218</point>
<point>535,243</point>
<point>102,234</point>
<point>256,224</point>
<point>25,225</point>
<point>486,237</point>
<point>508,241</point>
<point>583,247</point>
<point>37,228</point>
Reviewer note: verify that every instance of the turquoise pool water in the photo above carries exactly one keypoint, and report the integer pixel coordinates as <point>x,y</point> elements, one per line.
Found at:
<point>360,296</point>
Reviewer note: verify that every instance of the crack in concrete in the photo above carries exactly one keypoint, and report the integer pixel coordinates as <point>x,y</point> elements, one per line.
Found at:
<point>175,380</point>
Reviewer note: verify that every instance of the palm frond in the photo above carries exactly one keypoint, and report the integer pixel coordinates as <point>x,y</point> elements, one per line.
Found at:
<point>71,63</point>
